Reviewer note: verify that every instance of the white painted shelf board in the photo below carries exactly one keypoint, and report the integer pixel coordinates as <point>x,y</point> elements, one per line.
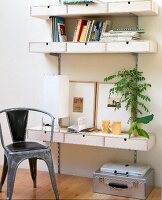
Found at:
<point>139,8</point>
<point>100,139</point>
<point>134,46</point>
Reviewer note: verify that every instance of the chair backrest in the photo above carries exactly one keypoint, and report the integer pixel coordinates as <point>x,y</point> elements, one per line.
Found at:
<point>17,120</point>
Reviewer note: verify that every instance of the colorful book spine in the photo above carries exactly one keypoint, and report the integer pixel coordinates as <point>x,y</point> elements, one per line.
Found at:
<point>58,20</point>
<point>78,30</point>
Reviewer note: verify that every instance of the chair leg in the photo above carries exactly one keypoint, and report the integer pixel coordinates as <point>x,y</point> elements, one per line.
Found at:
<point>4,172</point>
<point>49,162</point>
<point>12,167</point>
<point>33,170</point>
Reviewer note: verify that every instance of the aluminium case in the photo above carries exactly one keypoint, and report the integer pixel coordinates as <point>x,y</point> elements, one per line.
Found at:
<point>124,185</point>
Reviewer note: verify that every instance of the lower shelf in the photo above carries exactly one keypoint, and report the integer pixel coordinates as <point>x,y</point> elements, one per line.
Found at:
<point>93,139</point>
<point>133,46</point>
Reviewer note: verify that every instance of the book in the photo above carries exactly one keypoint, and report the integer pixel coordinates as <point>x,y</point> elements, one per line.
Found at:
<point>62,33</point>
<point>82,36</point>
<point>58,20</point>
<point>106,26</point>
<point>78,29</point>
<point>81,126</point>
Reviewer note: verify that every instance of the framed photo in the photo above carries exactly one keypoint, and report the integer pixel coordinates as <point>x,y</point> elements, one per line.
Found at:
<point>105,108</point>
<point>82,101</point>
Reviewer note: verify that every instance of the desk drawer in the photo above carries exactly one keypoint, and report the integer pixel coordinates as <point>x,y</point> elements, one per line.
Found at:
<point>125,143</point>
<point>45,136</point>
<point>82,139</point>
<point>88,9</point>
<point>89,47</point>
<point>47,47</point>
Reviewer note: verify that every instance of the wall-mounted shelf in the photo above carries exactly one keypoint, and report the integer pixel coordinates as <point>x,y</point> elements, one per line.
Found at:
<point>134,46</point>
<point>138,8</point>
<point>93,139</point>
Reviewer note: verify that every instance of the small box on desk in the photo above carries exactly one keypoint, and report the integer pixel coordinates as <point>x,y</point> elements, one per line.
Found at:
<point>124,180</point>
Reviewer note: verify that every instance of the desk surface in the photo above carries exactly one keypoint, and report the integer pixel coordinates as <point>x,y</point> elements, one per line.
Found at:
<point>100,139</point>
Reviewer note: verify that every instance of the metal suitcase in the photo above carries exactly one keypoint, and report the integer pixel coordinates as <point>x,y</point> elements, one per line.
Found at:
<point>117,179</point>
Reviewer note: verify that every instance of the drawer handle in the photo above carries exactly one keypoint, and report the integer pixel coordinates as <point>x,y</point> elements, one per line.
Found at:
<point>125,139</point>
<point>47,43</point>
<point>48,6</point>
<point>83,135</point>
<point>85,43</point>
<point>45,132</point>
<point>87,4</point>
<point>127,42</point>
<point>129,2</point>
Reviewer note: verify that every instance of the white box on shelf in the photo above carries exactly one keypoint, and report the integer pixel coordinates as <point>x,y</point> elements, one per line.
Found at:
<point>45,12</point>
<point>88,47</point>
<point>47,47</point>
<point>37,133</point>
<point>84,139</point>
<point>123,142</point>
<point>143,7</point>
<point>88,9</point>
<point>134,46</point>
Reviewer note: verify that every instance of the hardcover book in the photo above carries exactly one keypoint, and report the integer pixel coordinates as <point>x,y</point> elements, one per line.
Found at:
<point>58,20</point>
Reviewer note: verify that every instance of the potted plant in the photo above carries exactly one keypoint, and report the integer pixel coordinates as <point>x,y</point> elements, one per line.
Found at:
<point>131,85</point>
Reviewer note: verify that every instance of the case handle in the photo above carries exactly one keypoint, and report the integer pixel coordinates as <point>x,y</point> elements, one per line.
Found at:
<point>118,185</point>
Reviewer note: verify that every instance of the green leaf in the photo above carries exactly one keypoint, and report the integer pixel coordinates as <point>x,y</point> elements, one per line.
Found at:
<point>145,120</point>
<point>143,133</point>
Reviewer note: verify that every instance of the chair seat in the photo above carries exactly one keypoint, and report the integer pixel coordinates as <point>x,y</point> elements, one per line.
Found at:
<point>25,146</point>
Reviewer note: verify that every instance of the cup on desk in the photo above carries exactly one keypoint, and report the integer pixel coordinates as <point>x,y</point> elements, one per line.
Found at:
<point>116,127</point>
<point>105,126</point>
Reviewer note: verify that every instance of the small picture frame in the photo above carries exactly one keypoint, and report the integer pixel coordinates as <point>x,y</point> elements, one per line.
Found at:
<point>105,107</point>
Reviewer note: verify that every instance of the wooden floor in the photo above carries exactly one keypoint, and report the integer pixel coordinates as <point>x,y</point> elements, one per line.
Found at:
<point>70,187</point>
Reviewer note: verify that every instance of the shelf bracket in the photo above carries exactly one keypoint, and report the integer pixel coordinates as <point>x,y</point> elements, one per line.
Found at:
<point>135,156</point>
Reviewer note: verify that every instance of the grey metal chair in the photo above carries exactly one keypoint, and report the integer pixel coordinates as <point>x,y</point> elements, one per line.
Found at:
<point>21,149</point>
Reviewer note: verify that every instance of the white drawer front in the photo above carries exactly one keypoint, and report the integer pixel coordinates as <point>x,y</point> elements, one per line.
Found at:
<point>48,10</point>
<point>130,6</point>
<point>47,47</point>
<point>125,143</point>
<point>131,46</point>
<point>88,9</point>
<point>45,136</point>
<point>84,139</point>
<point>89,47</point>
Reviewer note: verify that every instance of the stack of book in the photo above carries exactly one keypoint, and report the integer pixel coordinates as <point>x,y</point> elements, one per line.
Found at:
<point>121,35</point>
<point>90,30</point>
<point>58,29</point>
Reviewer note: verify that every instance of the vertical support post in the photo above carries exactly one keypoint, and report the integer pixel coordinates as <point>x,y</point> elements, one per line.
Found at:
<point>135,156</point>
<point>137,59</point>
<point>58,144</point>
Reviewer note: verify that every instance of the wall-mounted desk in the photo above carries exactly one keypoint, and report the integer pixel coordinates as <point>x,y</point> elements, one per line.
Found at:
<point>93,139</point>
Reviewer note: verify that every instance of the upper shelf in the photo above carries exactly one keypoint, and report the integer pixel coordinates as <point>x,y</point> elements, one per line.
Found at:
<point>138,8</point>
<point>133,46</point>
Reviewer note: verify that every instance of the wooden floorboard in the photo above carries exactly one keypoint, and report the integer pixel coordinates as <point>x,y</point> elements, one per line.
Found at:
<point>70,187</point>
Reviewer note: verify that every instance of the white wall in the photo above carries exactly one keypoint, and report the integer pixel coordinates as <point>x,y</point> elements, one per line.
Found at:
<point>21,81</point>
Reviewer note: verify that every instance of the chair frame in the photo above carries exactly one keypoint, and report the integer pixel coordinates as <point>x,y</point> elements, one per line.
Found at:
<point>13,159</point>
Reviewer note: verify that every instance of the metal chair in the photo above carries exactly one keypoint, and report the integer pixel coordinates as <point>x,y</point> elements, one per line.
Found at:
<point>21,149</point>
